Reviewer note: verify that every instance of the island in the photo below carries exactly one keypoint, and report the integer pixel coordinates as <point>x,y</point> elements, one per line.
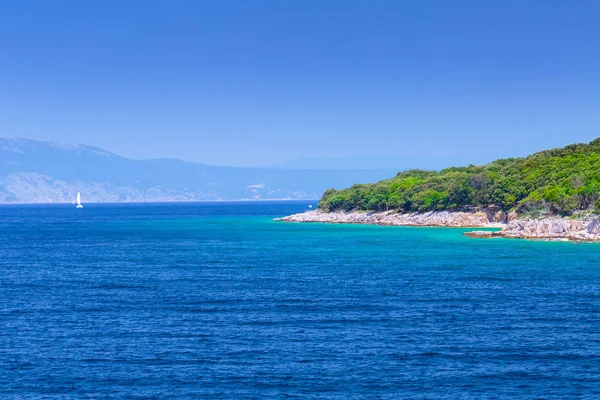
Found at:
<point>553,194</point>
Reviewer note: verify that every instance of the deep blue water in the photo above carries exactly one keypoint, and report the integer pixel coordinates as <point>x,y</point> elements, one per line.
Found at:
<point>217,300</point>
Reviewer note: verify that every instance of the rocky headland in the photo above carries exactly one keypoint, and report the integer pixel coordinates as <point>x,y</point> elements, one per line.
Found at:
<point>549,228</point>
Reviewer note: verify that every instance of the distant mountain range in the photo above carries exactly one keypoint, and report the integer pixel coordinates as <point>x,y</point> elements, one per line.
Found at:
<point>47,172</point>
<point>384,162</point>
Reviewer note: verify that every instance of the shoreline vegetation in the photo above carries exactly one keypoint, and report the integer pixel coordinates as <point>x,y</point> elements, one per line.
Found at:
<point>553,194</point>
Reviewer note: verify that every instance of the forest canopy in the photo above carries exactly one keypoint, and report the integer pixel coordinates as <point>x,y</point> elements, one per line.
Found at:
<point>560,181</point>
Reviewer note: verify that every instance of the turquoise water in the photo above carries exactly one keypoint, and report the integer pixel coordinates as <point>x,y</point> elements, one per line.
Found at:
<point>217,300</point>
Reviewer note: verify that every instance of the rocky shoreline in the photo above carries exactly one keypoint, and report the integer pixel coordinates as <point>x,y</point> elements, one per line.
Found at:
<point>550,228</point>
<point>485,218</point>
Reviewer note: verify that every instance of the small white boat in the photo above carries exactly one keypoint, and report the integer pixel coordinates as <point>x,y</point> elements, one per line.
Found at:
<point>310,206</point>
<point>79,200</point>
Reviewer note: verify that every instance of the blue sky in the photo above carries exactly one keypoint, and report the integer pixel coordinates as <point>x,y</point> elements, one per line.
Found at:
<point>260,82</point>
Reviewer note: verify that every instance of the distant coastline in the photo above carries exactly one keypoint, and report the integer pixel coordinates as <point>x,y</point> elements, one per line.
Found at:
<point>548,228</point>
<point>30,173</point>
<point>160,202</point>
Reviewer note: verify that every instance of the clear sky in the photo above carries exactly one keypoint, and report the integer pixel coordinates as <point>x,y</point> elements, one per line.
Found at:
<point>254,82</point>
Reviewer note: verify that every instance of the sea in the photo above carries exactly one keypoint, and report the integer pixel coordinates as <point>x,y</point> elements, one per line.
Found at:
<point>217,300</point>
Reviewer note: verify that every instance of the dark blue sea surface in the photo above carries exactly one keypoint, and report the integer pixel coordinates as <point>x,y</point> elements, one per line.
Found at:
<point>218,300</point>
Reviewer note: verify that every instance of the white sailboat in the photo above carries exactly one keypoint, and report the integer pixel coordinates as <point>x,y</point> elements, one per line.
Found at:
<point>79,200</point>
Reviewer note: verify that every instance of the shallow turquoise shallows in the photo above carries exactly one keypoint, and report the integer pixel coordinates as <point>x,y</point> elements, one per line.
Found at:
<point>217,300</point>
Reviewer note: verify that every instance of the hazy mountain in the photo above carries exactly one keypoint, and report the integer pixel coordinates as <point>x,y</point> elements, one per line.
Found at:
<point>397,163</point>
<point>33,171</point>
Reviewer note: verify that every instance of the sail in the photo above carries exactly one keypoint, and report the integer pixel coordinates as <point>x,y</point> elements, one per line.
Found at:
<point>78,197</point>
